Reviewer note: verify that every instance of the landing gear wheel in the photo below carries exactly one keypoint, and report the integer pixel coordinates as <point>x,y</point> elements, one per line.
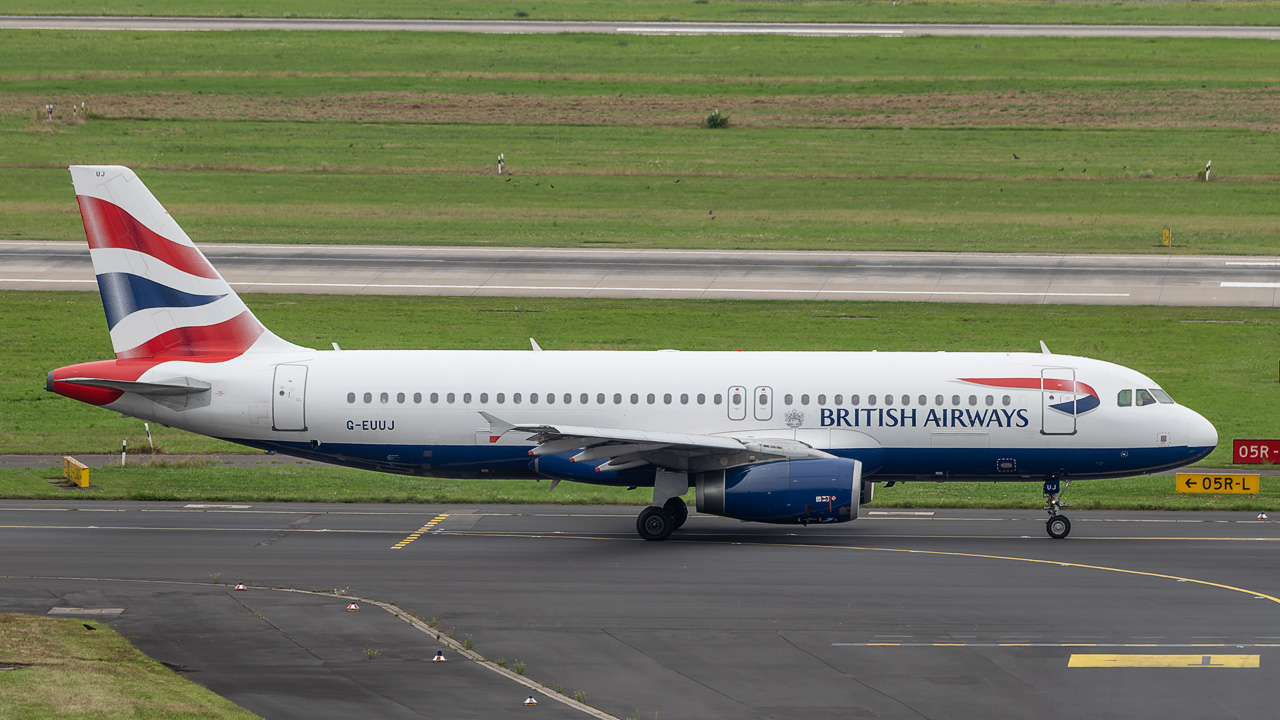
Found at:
<point>655,523</point>
<point>679,511</point>
<point>1058,527</point>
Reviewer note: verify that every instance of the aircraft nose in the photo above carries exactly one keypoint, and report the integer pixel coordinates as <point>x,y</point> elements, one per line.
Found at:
<point>1201,432</point>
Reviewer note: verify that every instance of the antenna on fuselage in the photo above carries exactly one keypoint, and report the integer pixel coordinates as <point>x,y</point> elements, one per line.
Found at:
<point>1044,348</point>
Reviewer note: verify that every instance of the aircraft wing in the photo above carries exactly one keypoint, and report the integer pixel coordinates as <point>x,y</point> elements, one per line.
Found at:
<point>623,449</point>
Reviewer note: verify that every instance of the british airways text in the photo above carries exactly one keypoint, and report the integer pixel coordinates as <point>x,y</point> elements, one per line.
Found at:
<point>912,417</point>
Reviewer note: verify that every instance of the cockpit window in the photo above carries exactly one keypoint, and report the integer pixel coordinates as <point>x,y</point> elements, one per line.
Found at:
<point>1124,398</point>
<point>1145,397</point>
<point>1162,396</point>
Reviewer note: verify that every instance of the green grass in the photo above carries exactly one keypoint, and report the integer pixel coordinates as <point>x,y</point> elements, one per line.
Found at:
<point>1230,12</point>
<point>72,673</point>
<point>1013,144</point>
<point>1225,370</point>
<point>197,479</point>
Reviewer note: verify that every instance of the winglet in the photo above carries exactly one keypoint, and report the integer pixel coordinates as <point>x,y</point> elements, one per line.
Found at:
<point>496,426</point>
<point>1044,348</point>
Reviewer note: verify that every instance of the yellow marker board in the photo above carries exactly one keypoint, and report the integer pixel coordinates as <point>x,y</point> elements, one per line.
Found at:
<point>1217,483</point>
<point>1164,661</point>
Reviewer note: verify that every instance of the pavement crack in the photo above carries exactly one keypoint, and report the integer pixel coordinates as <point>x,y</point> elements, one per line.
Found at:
<point>875,690</point>
<point>295,525</point>
<point>681,674</point>
<point>264,619</point>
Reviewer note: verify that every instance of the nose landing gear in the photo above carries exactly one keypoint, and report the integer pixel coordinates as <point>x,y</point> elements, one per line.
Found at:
<point>1058,526</point>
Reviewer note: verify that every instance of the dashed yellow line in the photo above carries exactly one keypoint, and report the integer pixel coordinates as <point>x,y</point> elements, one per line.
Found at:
<point>418,533</point>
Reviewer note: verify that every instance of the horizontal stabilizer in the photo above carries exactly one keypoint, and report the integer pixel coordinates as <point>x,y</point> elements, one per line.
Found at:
<point>176,386</point>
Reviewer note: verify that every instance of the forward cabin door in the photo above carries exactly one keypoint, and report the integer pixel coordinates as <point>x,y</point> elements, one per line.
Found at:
<point>288,401</point>
<point>1057,388</point>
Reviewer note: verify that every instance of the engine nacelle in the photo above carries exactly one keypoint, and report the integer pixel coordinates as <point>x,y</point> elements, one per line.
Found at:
<point>784,491</point>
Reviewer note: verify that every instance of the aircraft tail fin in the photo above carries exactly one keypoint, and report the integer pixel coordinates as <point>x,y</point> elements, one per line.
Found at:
<point>161,295</point>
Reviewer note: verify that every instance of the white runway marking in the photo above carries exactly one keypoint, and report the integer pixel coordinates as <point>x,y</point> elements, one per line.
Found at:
<point>1250,284</point>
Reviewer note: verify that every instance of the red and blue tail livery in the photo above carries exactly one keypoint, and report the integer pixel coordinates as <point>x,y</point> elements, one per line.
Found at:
<point>777,437</point>
<point>161,296</point>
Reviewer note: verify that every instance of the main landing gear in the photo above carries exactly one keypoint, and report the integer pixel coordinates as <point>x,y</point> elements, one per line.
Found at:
<point>668,511</point>
<point>657,523</point>
<point>1058,526</point>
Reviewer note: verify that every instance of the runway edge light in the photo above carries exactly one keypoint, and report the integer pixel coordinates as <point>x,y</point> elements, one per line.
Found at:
<point>530,701</point>
<point>240,586</point>
<point>353,607</point>
<point>439,657</point>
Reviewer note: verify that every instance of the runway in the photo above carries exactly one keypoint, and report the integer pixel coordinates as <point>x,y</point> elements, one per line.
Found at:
<point>541,27</point>
<point>1175,280</point>
<point>901,614</point>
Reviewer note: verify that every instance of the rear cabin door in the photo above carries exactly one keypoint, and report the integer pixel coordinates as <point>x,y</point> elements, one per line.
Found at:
<point>1058,401</point>
<point>288,401</point>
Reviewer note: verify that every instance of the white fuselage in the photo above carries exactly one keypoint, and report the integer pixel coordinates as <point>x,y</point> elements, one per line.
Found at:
<point>938,416</point>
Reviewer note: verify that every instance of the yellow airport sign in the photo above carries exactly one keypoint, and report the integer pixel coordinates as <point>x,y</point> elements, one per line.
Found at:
<point>1217,483</point>
<point>1163,661</point>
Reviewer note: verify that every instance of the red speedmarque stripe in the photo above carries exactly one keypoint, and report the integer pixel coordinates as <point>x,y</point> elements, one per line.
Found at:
<point>107,225</point>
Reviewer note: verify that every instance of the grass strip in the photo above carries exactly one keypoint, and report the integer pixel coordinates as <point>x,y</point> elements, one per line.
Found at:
<point>1221,12</point>
<point>1219,361</point>
<point>201,480</point>
<point>66,670</point>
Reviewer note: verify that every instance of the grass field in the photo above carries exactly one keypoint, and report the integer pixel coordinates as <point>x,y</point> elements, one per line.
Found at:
<point>68,671</point>
<point>198,479</point>
<point>1228,12</point>
<point>866,143</point>
<point>1224,368</point>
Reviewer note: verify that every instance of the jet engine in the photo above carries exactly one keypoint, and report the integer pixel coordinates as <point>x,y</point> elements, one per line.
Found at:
<point>818,490</point>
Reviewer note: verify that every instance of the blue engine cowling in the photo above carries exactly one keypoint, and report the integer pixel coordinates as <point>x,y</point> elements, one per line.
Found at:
<point>785,491</point>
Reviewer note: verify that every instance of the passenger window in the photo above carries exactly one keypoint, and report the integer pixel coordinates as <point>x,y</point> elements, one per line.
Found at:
<point>991,400</point>
<point>634,398</point>
<point>938,400</point>
<point>417,398</point>
<point>568,398</point>
<point>973,399</point>
<point>854,400</point>
<point>716,399</point>
<point>515,398</point>
<point>955,399</point>
<point>702,399</point>
<point>804,399</point>
<point>1006,400</point>
<point>906,399</point>
<point>400,398</point>
<point>923,400</point>
<point>599,398</point>
<point>839,399</point>
<point>871,399</point>
<point>533,398</point>
<point>822,399</point>
<point>617,398</point>
<point>666,399</point>
<point>1124,398</point>
<point>466,397</point>
<point>500,397</point>
<point>788,399</point>
<point>368,398</point>
<point>650,399</point>
<point>351,397</point>
<point>764,400</point>
<point>551,398</point>
<point>1145,398</point>
<point>449,398</point>
<point>385,398</point>
<point>684,398</point>
<point>888,399</point>
<point>435,398</point>
<point>484,398</point>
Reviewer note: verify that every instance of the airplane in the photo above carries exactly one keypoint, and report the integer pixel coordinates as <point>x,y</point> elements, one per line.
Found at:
<point>773,437</point>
